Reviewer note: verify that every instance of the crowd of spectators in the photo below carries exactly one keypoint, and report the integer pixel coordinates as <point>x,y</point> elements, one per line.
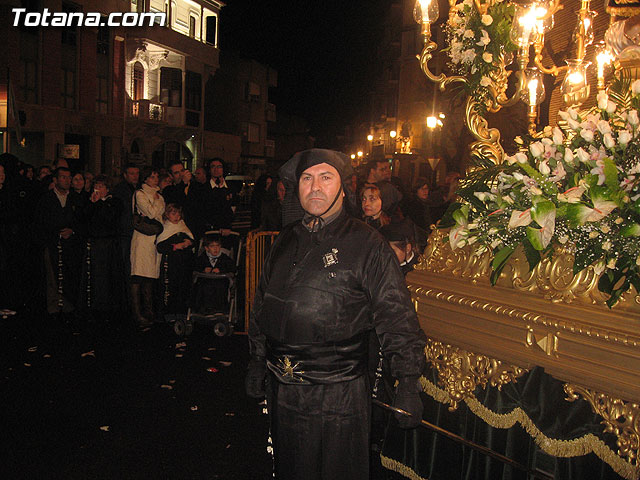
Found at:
<point>67,238</point>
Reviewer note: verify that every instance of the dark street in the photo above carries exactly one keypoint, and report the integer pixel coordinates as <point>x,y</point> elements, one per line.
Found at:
<point>110,402</point>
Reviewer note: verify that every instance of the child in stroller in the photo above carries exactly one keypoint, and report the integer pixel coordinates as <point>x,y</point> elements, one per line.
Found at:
<point>211,294</point>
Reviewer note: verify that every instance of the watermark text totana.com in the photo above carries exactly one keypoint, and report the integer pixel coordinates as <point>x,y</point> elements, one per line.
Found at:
<point>22,18</point>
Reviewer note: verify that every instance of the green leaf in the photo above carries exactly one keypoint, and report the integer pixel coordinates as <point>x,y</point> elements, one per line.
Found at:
<point>533,255</point>
<point>461,214</point>
<point>632,230</point>
<point>586,257</point>
<point>611,174</point>
<point>499,261</point>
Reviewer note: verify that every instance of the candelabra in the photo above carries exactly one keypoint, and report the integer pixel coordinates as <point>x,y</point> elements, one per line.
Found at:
<point>529,24</point>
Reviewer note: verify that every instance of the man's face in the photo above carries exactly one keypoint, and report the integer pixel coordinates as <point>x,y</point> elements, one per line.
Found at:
<point>201,175</point>
<point>176,173</point>
<point>401,251</point>
<point>216,169</point>
<point>63,181</point>
<point>317,187</point>
<point>44,171</point>
<point>132,175</point>
<point>281,191</point>
<point>382,171</point>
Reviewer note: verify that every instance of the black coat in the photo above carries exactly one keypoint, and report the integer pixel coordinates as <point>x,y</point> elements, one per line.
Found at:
<point>218,212</point>
<point>320,296</point>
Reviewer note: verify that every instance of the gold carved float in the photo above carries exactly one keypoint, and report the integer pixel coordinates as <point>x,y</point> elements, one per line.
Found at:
<point>483,335</point>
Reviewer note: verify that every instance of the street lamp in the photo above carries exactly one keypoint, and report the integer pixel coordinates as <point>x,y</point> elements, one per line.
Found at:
<point>393,134</point>
<point>432,122</point>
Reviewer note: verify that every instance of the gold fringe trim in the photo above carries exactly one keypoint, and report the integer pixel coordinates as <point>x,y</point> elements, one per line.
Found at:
<point>558,448</point>
<point>401,468</point>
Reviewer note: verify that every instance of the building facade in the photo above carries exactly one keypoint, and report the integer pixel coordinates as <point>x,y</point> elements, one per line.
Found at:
<point>103,96</point>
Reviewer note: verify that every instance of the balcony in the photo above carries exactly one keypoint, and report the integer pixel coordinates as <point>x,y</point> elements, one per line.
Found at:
<point>147,110</point>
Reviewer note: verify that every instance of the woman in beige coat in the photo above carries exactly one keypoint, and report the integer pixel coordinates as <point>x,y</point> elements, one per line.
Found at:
<point>145,260</point>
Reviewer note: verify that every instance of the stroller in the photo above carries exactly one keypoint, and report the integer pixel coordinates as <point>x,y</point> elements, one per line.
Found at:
<point>223,313</point>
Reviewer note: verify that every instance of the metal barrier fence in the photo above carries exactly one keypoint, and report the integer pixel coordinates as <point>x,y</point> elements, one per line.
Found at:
<point>258,245</point>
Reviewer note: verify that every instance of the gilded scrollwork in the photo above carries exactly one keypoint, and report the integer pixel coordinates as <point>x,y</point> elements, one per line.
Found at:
<point>552,278</point>
<point>619,417</point>
<point>461,372</point>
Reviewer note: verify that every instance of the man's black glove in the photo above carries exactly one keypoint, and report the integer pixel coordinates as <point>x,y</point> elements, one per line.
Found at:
<point>256,374</point>
<point>408,399</point>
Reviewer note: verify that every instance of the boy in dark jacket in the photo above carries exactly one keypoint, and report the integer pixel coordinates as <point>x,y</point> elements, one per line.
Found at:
<point>211,293</point>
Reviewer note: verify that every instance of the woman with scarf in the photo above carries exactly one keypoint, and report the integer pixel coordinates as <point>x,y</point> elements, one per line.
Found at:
<point>372,212</point>
<point>145,260</point>
<point>175,244</point>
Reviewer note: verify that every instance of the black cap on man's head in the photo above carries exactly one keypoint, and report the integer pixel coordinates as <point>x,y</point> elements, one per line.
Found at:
<point>301,161</point>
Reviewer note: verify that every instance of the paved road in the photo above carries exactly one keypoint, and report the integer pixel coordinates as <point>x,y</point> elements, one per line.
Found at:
<point>109,402</point>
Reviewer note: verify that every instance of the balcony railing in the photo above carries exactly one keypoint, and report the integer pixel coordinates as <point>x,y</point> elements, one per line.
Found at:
<point>147,110</point>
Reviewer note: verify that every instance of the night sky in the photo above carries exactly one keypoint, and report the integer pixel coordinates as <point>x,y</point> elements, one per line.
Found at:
<point>324,52</point>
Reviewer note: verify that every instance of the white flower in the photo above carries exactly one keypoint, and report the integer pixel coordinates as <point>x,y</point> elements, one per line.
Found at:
<point>599,170</point>
<point>487,20</point>
<point>605,228</point>
<point>618,220</point>
<point>635,87</point>
<point>536,149</point>
<point>609,142</point>
<point>603,126</point>
<point>485,81</point>
<point>582,155</point>
<point>468,56</point>
<point>507,199</point>
<point>573,124</point>
<point>468,34</point>
<point>487,57</point>
<point>606,245</point>
<point>518,176</point>
<point>558,173</point>
<point>557,136</point>
<point>611,107</point>
<point>563,239</point>
<point>598,268</point>
<point>603,99</point>
<point>632,117</point>
<point>611,264</point>
<point>568,156</point>
<point>624,136</point>
<point>544,168</point>
<point>587,135</point>
<point>484,40</point>
<point>572,113</point>
<point>593,234</point>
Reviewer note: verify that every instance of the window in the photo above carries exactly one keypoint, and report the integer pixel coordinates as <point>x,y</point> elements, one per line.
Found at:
<point>253,91</point>
<point>171,86</point>
<point>70,31</point>
<point>68,88</point>
<point>29,60</point>
<point>253,133</point>
<point>30,6</point>
<point>103,43</point>
<point>269,148</point>
<point>137,82</point>
<point>192,26</point>
<point>193,91</point>
<point>211,29</point>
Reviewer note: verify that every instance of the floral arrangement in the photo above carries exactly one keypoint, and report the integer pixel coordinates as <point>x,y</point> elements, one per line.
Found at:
<point>577,186</point>
<point>477,42</point>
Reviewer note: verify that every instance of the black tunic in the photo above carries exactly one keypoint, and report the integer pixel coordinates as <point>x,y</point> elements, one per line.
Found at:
<point>319,297</point>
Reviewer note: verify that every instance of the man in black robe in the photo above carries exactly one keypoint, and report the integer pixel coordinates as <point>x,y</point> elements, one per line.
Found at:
<point>328,282</point>
<point>61,234</point>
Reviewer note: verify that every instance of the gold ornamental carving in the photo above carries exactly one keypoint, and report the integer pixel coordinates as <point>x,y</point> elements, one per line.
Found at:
<point>619,417</point>
<point>461,372</point>
<point>552,278</point>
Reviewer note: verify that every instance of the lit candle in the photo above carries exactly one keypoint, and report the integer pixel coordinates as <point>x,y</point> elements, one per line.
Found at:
<point>533,92</point>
